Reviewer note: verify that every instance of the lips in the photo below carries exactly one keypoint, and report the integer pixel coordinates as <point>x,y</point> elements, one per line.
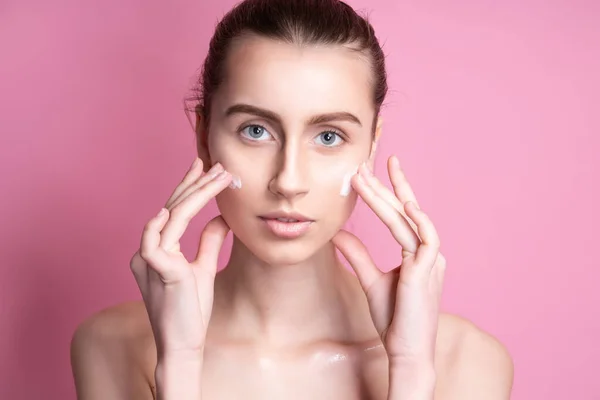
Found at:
<point>287,220</point>
<point>287,225</point>
<point>283,216</point>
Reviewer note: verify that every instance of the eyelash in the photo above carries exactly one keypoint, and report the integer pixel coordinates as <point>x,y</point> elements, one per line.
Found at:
<point>335,132</point>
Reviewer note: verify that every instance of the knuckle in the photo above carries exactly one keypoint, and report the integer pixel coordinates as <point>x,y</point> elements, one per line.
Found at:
<point>136,258</point>
<point>434,241</point>
<point>148,228</point>
<point>212,229</point>
<point>137,267</point>
<point>178,213</point>
<point>146,254</point>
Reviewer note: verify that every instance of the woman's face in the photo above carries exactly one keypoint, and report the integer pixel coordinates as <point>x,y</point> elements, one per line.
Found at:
<point>291,122</point>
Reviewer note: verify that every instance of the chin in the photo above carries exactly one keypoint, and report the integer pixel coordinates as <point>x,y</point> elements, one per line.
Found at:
<point>281,259</point>
<point>279,252</point>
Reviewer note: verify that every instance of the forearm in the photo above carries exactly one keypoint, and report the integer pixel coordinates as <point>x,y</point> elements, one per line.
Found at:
<point>179,379</point>
<point>411,383</point>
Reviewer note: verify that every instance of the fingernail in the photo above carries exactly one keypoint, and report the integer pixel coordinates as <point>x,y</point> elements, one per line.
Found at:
<point>195,163</point>
<point>161,212</point>
<point>361,179</point>
<point>215,170</point>
<point>222,175</point>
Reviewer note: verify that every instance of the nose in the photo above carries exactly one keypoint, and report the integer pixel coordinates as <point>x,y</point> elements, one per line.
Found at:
<point>290,180</point>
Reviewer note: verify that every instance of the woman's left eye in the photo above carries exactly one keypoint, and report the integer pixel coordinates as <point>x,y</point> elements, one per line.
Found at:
<point>328,138</point>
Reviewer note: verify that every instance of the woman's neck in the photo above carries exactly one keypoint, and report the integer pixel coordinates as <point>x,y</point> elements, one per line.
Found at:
<point>316,299</point>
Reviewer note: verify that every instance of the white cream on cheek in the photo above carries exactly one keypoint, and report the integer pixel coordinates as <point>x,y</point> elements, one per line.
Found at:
<point>236,182</point>
<point>346,182</point>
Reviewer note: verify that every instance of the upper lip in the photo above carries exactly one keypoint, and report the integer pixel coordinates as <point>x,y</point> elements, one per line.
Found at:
<point>286,214</point>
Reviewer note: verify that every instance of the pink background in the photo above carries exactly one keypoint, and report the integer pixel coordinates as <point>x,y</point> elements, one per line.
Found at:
<point>493,112</point>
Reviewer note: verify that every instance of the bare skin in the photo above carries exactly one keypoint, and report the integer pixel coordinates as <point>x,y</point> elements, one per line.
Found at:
<point>114,356</point>
<point>288,321</point>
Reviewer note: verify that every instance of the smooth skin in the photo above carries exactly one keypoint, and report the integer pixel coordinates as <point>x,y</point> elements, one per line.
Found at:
<point>286,319</point>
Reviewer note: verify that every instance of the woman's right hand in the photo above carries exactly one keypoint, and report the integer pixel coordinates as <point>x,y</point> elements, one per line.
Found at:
<point>179,294</point>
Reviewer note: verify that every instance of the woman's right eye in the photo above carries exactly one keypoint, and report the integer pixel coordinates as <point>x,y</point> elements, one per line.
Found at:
<point>256,132</point>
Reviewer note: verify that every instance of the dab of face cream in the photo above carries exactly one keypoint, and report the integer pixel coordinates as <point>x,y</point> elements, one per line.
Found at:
<point>236,182</point>
<point>346,184</point>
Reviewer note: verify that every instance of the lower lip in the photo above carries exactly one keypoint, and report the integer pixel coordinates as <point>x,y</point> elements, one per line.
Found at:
<point>287,230</point>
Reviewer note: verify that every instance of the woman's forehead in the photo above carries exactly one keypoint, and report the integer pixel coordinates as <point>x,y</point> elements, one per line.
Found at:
<point>296,79</point>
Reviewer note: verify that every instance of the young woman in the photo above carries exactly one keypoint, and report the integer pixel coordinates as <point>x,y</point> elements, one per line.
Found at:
<point>287,124</point>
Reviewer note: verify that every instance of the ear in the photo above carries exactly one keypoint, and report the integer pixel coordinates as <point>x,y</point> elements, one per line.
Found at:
<point>202,138</point>
<point>376,137</point>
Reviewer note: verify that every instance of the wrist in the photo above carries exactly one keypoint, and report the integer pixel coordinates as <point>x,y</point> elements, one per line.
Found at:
<point>178,377</point>
<point>175,357</point>
<point>412,382</point>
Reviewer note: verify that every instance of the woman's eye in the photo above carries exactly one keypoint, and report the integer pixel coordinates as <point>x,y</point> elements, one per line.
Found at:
<point>256,132</point>
<point>330,138</point>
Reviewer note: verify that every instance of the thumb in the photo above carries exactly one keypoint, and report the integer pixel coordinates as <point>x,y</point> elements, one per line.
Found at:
<point>359,258</point>
<point>211,241</point>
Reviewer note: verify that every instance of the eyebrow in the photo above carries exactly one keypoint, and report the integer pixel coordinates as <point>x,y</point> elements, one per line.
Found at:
<point>270,115</point>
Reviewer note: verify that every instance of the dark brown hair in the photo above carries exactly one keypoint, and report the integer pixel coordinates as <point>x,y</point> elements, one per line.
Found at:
<point>300,22</point>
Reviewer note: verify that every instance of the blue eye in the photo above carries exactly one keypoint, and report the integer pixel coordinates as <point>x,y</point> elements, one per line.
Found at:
<point>329,138</point>
<point>256,132</point>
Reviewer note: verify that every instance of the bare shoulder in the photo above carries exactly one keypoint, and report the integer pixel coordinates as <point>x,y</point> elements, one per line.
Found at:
<point>122,319</point>
<point>109,353</point>
<point>473,364</point>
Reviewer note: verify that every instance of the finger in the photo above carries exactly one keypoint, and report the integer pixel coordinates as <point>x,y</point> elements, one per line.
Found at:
<point>150,250</point>
<point>400,184</point>
<point>439,270</point>
<point>203,180</point>
<point>384,192</point>
<point>191,175</point>
<point>388,195</point>
<point>189,207</point>
<point>359,258</point>
<point>211,241</point>
<point>191,182</point>
<point>396,223</point>
<point>428,251</point>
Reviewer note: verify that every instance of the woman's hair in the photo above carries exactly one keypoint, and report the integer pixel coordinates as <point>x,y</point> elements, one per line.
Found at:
<point>299,22</point>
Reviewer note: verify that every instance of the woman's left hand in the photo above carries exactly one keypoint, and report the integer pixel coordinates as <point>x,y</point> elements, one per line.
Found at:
<point>404,302</point>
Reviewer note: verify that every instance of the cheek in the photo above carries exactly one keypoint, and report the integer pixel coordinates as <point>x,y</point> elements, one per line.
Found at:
<point>234,162</point>
<point>336,180</point>
<point>238,205</point>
